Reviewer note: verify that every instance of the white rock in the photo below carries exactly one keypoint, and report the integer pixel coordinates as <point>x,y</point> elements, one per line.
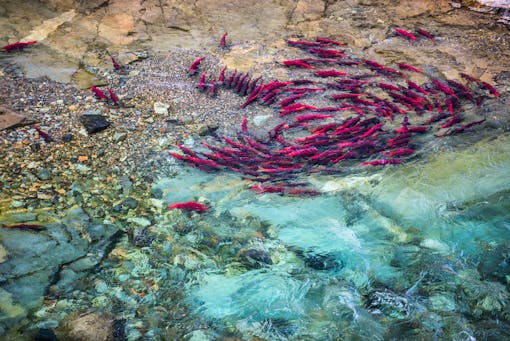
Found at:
<point>140,221</point>
<point>161,108</point>
<point>435,244</point>
<point>261,119</point>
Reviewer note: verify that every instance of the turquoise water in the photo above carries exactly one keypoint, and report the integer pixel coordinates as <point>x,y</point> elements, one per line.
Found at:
<point>417,251</point>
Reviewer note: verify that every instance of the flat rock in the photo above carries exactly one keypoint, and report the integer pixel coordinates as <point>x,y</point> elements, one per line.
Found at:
<point>11,119</point>
<point>94,123</point>
<point>161,108</point>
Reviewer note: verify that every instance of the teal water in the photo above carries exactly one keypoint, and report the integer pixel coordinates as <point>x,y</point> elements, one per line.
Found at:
<point>417,251</point>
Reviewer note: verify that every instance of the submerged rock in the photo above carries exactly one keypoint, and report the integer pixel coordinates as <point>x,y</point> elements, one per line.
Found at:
<point>321,261</point>
<point>89,326</point>
<point>255,259</point>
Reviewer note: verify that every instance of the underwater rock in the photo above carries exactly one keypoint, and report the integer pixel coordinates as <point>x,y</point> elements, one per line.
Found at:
<point>88,326</point>
<point>44,334</point>
<point>321,261</point>
<point>255,259</point>
<point>130,202</point>
<point>94,123</point>
<point>3,254</point>
<point>389,304</point>
<point>494,265</point>
<point>140,236</point>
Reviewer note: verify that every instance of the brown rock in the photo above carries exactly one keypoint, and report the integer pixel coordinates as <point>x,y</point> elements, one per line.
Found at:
<point>11,119</point>
<point>308,10</point>
<point>411,8</point>
<point>116,28</point>
<point>88,326</point>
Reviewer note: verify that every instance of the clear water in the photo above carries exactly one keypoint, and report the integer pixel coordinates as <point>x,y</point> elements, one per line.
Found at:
<point>417,251</point>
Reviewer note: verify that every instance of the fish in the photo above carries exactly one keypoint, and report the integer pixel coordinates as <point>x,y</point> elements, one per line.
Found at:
<point>443,87</point>
<point>400,152</point>
<point>489,87</point>
<point>346,95</point>
<point>116,65</point>
<point>303,152</point>
<point>405,66</point>
<point>18,46</point>
<point>311,117</point>
<point>454,120</point>
<point>260,189</point>
<point>464,91</point>
<point>45,136</point>
<point>241,82</point>
<point>98,93</point>
<point>416,87</point>
<point>280,169</point>
<point>404,33</point>
<point>329,73</point>
<point>418,129</point>
<point>223,40</point>
<point>373,64</point>
<point>212,87</point>
<point>449,105</point>
<point>290,99</point>
<point>113,96</point>
<point>33,227</point>
<point>302,192</point>
<point>469,77</point>
<point>325,53</point>
<point>387,86</point>
<point>221,77</point>
<point>370,131</point>
<point>304,44</point>
<point>253,96</point>
<point>244,125</point>
<point>425,34</point>
<point>230,79</point>
<point>193,69</point>
<point>297,63</point>
<point>329,41</point>
<point>462,128</point>
<point>201,82</point>
<point>437,118</point>
<point>274,85</point>
<point>189,206</point>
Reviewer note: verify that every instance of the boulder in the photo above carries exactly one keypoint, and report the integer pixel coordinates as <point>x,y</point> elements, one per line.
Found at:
<point>12,119</point>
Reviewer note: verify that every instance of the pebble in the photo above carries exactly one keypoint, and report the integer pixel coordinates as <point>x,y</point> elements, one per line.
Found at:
<point>161,108</point>
<point>139,221</point>
<point>130,202</point>
<point>118,137</point>
<point>43,174</point>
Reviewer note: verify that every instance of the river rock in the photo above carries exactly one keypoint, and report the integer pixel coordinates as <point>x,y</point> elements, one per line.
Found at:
<point>3,254</point>
<point>91,326</point>
<point>255,258</point>
<point>161,108</point>
<point>308,10</point>
<point>94,123</point>
<point>12,119</point>
<point>36,258</point>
